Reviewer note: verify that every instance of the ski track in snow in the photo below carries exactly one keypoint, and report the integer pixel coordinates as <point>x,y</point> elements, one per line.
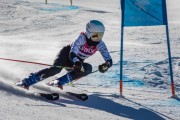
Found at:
<point>10,88</point>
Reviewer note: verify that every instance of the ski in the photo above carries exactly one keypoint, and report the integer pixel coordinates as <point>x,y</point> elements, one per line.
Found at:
<point>61,93</point>
<point>50,96</point>
<point>55,96</point>
<point>82,97</point>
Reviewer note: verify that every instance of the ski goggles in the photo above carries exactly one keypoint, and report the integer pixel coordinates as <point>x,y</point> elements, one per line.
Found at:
<point>96,36</point>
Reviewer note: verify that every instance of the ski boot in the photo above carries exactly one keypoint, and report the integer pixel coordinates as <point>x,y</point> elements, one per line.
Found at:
<point>60,81</point>
<point>22,84</point>
<point>55,84</point>
<point>26,82</point>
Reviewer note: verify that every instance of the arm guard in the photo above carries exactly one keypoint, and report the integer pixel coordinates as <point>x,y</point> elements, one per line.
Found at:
<point>73,57</point>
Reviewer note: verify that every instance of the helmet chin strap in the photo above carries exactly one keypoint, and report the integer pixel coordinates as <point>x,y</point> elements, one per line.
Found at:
<point>92,43</point>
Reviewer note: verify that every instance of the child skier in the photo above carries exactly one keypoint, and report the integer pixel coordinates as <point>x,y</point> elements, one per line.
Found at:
<point>73,56</point>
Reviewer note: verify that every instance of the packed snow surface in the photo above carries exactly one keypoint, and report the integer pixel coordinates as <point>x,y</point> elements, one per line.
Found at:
<point>31,30</point>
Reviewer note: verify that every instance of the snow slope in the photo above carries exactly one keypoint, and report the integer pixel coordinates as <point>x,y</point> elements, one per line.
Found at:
<point>33,31</point>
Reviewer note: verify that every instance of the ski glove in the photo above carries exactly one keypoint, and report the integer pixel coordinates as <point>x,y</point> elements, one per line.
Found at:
<point>103,68</point>
<point>77,67</point>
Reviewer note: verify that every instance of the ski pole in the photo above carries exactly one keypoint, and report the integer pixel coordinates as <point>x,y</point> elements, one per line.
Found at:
<point>15,60</point>
<point>71,83</point>
<point>35,63</point>
<point>94,71</point>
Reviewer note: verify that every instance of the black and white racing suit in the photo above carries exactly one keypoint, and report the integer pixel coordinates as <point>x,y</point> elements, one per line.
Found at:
<point>80,50</point>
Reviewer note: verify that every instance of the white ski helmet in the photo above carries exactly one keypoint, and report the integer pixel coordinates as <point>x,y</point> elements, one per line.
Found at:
<point>95,27</point>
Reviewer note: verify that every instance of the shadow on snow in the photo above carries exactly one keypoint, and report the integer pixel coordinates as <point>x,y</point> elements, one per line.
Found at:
<point>97,102</point>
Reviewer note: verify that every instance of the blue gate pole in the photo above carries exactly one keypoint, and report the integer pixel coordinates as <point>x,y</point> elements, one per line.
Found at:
<point>169,48</point>
<point>121,49</point>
